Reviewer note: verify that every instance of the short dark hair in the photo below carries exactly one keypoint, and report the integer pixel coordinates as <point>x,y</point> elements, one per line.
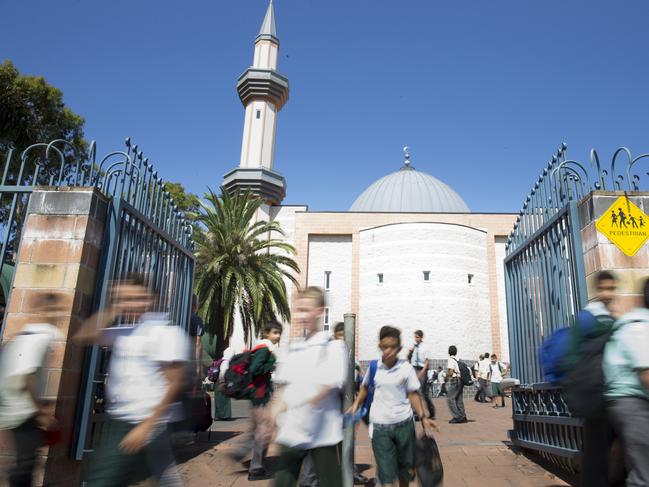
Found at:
<point>273,325</point>
<point>493,355</point>
<point>452,350</point>
<point>338,327</point>
<point>645,292</point>
<point>440,368</point>
<point>389,332</point>
<point>487,354</point>
<point>604,276</point>
<point>419,333</point>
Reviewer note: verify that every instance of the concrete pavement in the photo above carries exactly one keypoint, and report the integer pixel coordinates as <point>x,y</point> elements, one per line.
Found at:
<point>474,454</point>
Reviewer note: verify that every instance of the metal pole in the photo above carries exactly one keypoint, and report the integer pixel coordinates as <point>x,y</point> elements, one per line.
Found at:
<point>348,438</point>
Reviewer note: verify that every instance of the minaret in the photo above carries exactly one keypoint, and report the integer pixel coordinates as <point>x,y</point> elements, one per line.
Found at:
<point>263,92</point>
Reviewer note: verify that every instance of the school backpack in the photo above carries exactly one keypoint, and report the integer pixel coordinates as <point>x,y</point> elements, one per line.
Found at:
<point>583,384</point>
<point>214,371</point>
<point>465,373</point>
<point>554,352</point>
<point>237,381</point>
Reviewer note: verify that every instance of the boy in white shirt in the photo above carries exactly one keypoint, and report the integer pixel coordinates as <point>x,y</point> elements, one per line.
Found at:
<point>147,372</point>
<point>496,372</point>
<point>392,425</point>
<point>309,408</point>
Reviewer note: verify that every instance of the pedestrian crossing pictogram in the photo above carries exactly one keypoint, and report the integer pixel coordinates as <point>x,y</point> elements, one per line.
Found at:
<point>625,225</point>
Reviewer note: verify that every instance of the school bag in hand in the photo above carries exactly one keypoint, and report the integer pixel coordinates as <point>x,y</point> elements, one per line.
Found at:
<point>428,462</point>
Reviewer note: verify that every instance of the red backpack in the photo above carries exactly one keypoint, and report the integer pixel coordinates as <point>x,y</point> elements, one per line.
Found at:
<point>237,380</point>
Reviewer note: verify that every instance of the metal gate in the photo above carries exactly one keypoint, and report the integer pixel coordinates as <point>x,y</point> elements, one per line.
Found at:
<point>144,232</point>
<point>546,287</point>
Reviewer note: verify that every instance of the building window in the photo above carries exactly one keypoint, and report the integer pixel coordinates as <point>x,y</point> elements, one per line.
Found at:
<point>326,319</point>
<point>426,276</point>
<point>470,278</point>
<point>379,278</point>
<point>258,114</point>
<point>327,283</point>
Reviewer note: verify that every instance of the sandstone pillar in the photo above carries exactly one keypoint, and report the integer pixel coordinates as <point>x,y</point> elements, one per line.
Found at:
<point>59,252</point>
<point>601,254</point>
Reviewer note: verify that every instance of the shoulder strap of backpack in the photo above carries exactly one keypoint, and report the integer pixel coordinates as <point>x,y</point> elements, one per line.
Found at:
<point>374,365</point>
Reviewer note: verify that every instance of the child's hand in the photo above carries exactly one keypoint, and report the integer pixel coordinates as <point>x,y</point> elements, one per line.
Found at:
<point>428,423</point>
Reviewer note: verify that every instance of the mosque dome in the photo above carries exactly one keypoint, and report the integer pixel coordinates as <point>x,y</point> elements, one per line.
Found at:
<point>410,191</point>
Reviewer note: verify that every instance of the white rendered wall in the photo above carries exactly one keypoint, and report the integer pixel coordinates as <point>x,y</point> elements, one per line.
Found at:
<point>285,216</point>
<point>448,309</point>
<point>501,242</point>
<point>258,142</point>
<point>332,253</point>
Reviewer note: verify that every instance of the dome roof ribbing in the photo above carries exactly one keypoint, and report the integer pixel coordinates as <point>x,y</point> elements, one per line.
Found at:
<point>410,191</point>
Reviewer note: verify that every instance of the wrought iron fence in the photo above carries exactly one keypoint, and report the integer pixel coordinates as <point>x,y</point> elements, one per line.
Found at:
<point>144,232</point>
<point>546,287</point>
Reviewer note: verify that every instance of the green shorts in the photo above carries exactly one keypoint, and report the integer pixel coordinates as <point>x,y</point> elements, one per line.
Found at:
<point>496,390</point>
<point>394,451</point>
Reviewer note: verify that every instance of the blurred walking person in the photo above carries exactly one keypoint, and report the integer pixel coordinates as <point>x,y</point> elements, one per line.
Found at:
<point>309,406</point>
<point>23,409</point>
<point>584,383</point>
<point>147,372</point>
<point>626,370</point>
<point>258,439</point>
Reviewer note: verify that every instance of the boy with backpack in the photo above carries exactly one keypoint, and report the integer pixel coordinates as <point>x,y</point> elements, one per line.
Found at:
<point>309,406</point>
<point>496,372</point>
<point>458,375</point>
<point>261,367</point>
<point>626,370</point>
<point>583,383</point>
<point>394,386</point>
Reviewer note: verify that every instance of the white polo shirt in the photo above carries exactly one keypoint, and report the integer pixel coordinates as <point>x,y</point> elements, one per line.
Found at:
<point>453,365</point>
<point>136,383</point>
<point>391,389</point>
<point>309,366</point>
<point>420,354</point>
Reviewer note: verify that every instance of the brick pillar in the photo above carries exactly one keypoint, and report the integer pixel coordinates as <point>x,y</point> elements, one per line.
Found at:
<point>59,252</point>
<point>601,254</point>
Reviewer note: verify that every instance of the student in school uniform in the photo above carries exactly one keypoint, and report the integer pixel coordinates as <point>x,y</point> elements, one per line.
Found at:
<point>392,426</point>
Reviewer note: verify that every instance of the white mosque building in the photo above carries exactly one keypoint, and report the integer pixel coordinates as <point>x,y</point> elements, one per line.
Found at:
<point>409,252</point>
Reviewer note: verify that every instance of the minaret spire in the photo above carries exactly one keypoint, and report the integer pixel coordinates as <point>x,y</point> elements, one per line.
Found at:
<point>268,25</point>
<point>263,92</point>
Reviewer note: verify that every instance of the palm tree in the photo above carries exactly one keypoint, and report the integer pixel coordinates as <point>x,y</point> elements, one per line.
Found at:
<point>240,266</point>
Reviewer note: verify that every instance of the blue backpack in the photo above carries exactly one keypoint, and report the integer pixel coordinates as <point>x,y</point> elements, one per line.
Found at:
<point>365,410</point>
<point>553,354</point>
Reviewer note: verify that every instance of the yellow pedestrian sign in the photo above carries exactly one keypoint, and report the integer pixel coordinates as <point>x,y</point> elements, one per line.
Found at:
<point>625,225</point>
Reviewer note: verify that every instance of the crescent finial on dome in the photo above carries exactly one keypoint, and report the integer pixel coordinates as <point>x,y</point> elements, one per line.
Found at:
<point>406,156</point>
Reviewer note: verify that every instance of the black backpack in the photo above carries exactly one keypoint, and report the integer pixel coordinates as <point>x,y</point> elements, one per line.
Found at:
<point>583,384</point>
<point>465,373</point>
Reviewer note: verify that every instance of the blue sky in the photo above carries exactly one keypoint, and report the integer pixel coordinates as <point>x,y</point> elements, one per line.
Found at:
<point>482,92</point>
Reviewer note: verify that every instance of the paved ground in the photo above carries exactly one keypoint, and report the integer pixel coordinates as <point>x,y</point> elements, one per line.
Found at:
<point>474,454</point>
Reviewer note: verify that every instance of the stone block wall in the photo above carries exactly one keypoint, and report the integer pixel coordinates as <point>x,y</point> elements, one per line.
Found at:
<point>601,254</point>
<point>59,253</point>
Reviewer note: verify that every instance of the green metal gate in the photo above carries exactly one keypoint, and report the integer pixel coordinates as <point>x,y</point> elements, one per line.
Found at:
<point>546,287</point>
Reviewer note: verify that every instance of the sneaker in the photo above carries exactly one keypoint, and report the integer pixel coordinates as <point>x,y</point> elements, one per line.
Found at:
<point>463,420</point>
<point>454,421</point>
<point>258,474</point>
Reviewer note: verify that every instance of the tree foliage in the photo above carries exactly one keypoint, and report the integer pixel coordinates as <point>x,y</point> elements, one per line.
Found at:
<point>31,110</point>
<point>240,266</point>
